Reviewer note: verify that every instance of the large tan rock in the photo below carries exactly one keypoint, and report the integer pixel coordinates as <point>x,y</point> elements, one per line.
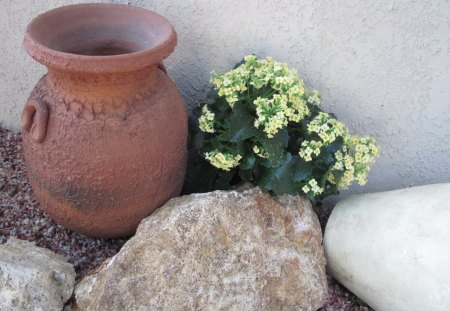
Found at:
<point>216,251</point>
<point>392,249</point>
<point>33,278</point>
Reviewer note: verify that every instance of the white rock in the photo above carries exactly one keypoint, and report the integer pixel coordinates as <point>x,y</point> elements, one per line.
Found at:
<point>392,249</point>
<point>216,251</point>
<point>33,278</point>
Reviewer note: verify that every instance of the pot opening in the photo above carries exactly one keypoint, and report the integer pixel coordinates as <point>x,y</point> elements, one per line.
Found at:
<point>78,32</point>
<point>104,48</point>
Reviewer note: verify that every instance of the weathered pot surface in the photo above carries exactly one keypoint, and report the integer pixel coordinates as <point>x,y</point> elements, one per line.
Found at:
<point>105,130</point>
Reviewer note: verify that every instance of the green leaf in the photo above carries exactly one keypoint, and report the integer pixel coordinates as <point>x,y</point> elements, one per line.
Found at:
<point>279,179</point>
<point>248,161</point>
<point>301,170</point>
<point>311,197</point>
<point>283,184</point>
<point>265,178</point>
<point>246,174</point>
<point>275,147</point>
<point>221,105</point>
<point>241,123</point>
<point>265,163</point>
<point>337,174</point>
<point>327,156</point>
<point>223,179</point>
<point>323,180</point>
<point>211,94</point>
<point>336,145</point>
<point>217,104</point>
<point>223,136</point>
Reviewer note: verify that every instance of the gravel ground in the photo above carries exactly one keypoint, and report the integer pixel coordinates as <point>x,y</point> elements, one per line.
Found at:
<point>22,217</point>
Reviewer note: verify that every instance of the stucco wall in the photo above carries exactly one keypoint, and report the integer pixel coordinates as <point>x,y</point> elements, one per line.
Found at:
<point>382,66</point>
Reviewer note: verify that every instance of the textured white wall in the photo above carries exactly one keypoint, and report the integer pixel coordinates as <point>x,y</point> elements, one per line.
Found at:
<point>382,66</point>
<point>18,72</point>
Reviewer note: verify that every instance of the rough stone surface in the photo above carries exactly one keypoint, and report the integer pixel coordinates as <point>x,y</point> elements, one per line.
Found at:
<point>392,249</point>
<point>33,278</point>
<point>216,251</point>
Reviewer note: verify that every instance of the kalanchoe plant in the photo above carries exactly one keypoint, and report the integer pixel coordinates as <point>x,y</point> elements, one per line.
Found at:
<point>260,124</point>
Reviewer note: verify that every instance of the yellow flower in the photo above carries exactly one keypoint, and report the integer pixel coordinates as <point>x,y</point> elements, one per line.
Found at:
<point>314,98</point>
<point>314,187</point>
<point>206,120</point>
<point>308,148</point>
<point>328,128</point>
<point>270,115</point>
<point>260,152</point>
<point>224,161</point>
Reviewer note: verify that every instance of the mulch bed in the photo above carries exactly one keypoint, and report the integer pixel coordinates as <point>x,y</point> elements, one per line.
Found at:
<point>22,217</point>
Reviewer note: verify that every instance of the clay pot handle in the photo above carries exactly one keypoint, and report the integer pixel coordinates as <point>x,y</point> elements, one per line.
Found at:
<point>162,67</point>
<point>34,119</point>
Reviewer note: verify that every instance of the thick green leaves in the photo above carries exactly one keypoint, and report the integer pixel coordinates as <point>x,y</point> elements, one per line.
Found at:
<point>336,145</point>
<point>277,165</point>
<point>275,147</point>
<point>301,170</point>
<point>246,175</point>
<point>241,123</point>
<point>223,179</point>
<point>279,179</point>
<point>248,161</point>
<point>327,157</point>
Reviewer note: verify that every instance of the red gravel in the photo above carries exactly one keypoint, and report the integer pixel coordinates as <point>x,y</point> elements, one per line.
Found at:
<point>22,217</point>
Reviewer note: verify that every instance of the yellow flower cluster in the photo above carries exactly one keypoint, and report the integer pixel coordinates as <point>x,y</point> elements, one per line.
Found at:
<point>352,163</point>
<point>206,120</point>
<point>232,83</point>
<point>224,161</point>
<point>365,149</point>
<point>312,186</point>
<point>273,114</point>
<point>360,153</point>
<point>327,128</point>
<point>286,100</point>
<point>310,147</point>
<point>268,72</point>
<point>270,114</point>
<point>273,98</point>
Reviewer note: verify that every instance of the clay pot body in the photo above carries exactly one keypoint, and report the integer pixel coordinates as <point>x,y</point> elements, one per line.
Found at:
<point>105,130</point>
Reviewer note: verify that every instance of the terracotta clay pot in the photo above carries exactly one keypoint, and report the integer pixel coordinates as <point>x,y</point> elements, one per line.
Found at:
<point>105,130</point>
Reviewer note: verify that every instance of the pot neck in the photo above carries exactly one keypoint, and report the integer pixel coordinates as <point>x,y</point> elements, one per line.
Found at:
<point>102,85</point>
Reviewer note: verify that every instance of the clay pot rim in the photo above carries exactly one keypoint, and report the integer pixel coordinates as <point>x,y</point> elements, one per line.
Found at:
<point>55,59</point>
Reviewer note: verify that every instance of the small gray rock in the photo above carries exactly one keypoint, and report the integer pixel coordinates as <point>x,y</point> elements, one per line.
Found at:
<point>216,251</point>
<point>33,278</point>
